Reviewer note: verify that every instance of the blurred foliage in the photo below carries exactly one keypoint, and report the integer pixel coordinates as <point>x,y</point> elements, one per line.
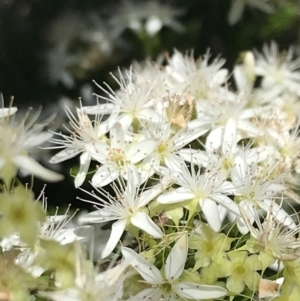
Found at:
<point>50,51</point>
<point>285,19</point>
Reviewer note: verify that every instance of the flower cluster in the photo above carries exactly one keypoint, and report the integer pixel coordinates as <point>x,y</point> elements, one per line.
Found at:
<point>202,168</point>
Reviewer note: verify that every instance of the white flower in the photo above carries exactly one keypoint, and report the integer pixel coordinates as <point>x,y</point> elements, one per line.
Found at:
<point>208,187</point>
<point>238,6</point>
<point>228,152</point>
<point>166,284</point>
<point>119,157</point>
<point>148,15</point>
<point>244,73</point>
<point>91,285</point>
<point>128,207</point>
<point>17,139</point>
<point>286,144</point>
<point>255,186</point>
<point>280,72</point>
<point>160,14</point>
<point>216,114</point>
<point>167,152</point>
<point>129,105</point>
<point>54,228</point>
<point>272,235</point>
<point>198,78</point>
<point>84,132</point>
<point>147,72</point>
<point>87,28</point>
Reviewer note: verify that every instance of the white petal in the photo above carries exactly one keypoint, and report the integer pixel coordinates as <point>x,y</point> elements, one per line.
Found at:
<point>223,212</point>
<point>153,25</point>
<point>214,139</point>
<point>37,139</point>
<point>117,137</point>
<point>153,294</point>
<point>219,78</point>
<point>189,136</point>
<point>125,120</point>
<point>229,136</point>
<point>258,154</point>
<point>211,212</point>
<point>117,229</point>
<point>150,194</point>
<point>150,114</point>
<point>145,173</point>
<point>228,203</point>
<point>194,156</point>
<point>173,162</point>
<point>148,271</point>
<point>7,111</point>
<point>263,6</point>
<point>138,151</point>
<point>69,294</point>
<point>98,151</point>
<point>195,291</point>
<point>65,154</point>
<point>55,219</point>
<point>239,170</point>
<point>231,217</point>
<point>249,113</point>
<point>197,123</point>
<point>236,11</point>
<point>176,259</point>
<point>249,210</point>
<point>142,221</point>
<point>249,128</point>
<point>34,168</point>
<point>243,228</point>
<point>103,128</point>
<point>97,216</point>
<point>99,109</point>
<point>280,215</point>
<point>131,173</point>
<point>277,266</point>
<point>241,79</point>
<point>105,175</point>
<point>85,160</point>
<point>84,232</point>
<point>175,196</point>
<point>65,236</point>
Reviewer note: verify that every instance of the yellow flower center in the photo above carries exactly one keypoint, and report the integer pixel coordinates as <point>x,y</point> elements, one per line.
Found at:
<point>117,155</point>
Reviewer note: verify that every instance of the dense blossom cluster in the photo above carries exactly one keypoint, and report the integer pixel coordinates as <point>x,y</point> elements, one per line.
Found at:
<point>203,168</point>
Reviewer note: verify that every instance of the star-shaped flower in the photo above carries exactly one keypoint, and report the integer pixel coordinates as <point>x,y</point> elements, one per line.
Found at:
<point>17,139</point>
<point>127,209</point>
<point>167,284</point>
<point>208,188</point>
<point>84,131</point>
<point>119,156</point>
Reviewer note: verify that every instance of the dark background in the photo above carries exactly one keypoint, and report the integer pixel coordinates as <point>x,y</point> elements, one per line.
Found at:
<point>51,50</point>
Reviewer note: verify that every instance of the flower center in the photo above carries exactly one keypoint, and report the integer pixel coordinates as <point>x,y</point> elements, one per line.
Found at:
<point>227,164</point>
<point>209,246</point>
<point>240,270</point>
<point>277,75</point>
<point>166,287</point>
<point>117,155</point>
<point>161,148</point>
<point>179,108</point>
